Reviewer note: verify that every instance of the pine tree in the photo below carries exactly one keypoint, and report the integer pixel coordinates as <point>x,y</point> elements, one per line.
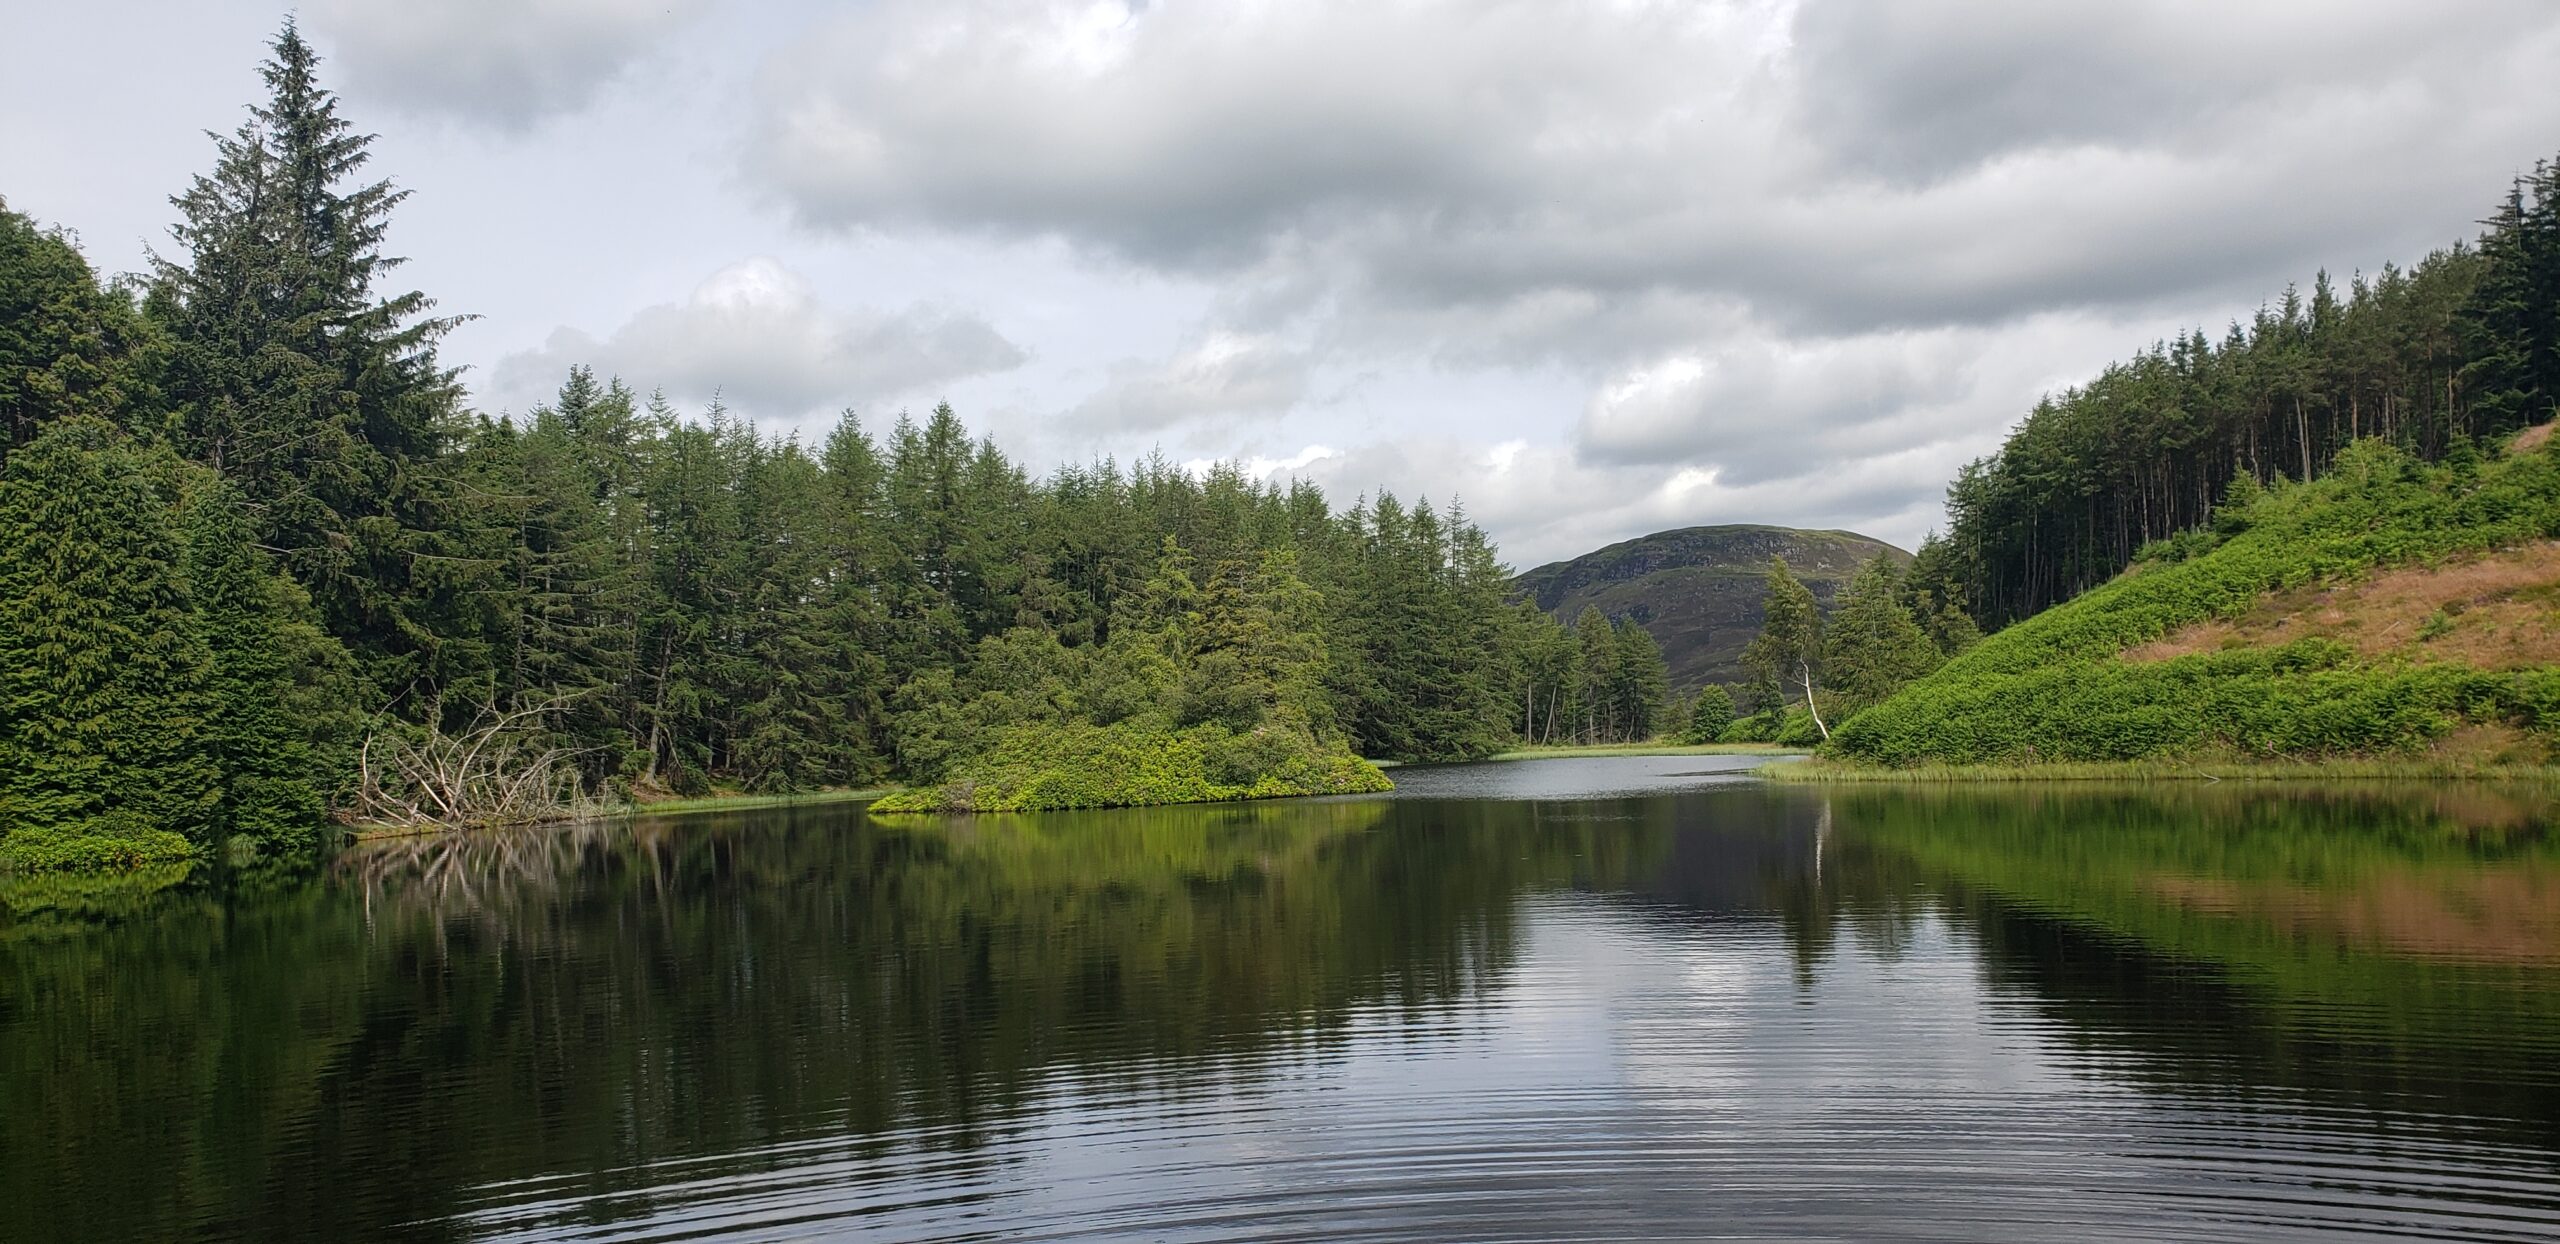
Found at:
<point>105,701</point>
<point>1639,683</point>
<point>2511,324</point>
<point>1597,667</point>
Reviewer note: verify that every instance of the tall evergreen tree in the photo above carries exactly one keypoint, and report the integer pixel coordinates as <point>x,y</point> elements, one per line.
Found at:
<point>319,397</point>
<point>105,696</point>
<point>281,693</point>
<point>2512,321</point>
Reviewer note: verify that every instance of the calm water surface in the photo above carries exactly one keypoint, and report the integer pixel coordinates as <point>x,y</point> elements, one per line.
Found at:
<point>1551,1000</point>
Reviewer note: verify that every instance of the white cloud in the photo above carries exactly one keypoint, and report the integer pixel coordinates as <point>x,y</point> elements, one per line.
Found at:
<point>757,334</point>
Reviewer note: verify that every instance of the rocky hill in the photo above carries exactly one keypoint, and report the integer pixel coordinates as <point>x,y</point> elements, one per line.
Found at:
<point>1698,590</point>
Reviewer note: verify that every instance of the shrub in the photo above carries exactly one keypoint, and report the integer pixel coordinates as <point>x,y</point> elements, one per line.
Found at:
<point>110,842</point>
<point>1044,767</point>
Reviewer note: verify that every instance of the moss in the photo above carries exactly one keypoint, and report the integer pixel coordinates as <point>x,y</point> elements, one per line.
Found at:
<point>1078,765</point>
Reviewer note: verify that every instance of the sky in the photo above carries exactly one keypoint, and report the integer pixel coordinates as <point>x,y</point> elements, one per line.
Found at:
<point>1591,269</point>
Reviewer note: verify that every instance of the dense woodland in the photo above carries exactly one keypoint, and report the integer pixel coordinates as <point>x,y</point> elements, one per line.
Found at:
<point>2463,346</point>
<point>258,560</point>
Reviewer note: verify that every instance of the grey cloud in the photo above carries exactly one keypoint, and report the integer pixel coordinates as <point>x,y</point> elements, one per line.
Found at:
<point>1919,89</point>
<point>1435,165</point>
<point>506,64</point>
<point>1223,375</point>
<point>758,335</point>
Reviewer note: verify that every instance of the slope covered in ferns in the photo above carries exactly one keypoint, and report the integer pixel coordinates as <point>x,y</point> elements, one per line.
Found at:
<point>2263,635</point>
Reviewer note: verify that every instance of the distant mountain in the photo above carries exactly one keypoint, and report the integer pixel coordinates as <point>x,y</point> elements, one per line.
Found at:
<point>1698,590</point>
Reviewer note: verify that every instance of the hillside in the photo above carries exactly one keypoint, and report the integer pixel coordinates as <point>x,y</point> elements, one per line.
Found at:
<point>2389,610</point>
<point>1698,590</point>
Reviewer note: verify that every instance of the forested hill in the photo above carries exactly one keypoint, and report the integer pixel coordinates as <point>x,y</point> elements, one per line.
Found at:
<point>2465,345</point>
<point>1699,590</point>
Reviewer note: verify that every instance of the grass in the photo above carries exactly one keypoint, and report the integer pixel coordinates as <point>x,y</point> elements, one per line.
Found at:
<point>742,802</point>
<point>1559,751</point>
<point>2158,769</point>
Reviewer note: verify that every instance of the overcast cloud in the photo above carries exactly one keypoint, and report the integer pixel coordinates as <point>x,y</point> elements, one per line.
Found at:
<point>1594,268</point>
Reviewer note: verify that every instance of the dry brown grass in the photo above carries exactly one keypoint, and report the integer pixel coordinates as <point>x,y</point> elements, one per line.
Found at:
<point>2531,439</point>
<point>2498,611</point>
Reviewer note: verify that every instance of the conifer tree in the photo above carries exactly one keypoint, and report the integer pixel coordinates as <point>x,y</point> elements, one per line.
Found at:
<point>67,347</point>
<point>319,397</point>
<point>105,700</point>
<point>280,688</point>
<point>1639,682</point>
<point>1872,646</point>
<point>2511,323</point>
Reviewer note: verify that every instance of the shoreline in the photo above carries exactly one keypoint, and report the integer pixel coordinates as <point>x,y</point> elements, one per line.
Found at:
<point>1820,770</point>
<point>377,832</point>
<point>1574,751</point>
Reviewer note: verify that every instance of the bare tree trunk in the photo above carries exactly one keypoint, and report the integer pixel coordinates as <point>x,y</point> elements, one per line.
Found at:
<point>1805,669</point>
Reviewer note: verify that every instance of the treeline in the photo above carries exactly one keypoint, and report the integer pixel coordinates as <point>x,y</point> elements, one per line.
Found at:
<point>260,560</point>
<point>2463,346</point>
<point>1596,681</point>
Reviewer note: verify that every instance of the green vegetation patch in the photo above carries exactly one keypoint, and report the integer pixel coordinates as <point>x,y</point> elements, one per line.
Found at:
<point>102,844</point>
<point>1131,764</point>
<point>2056,687</point>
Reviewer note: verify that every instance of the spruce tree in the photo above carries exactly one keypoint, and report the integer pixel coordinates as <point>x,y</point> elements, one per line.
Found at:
<point>322,399</point>
<point>281,689</point>
<point>67,347</point>
<point>105,699</point>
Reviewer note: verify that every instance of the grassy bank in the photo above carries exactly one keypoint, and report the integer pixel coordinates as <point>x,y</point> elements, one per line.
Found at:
<point>1567,751</point>
<point>2158,769</point>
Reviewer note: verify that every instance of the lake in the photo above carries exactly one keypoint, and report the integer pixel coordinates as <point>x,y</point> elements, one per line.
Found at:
<point>1615,998</point>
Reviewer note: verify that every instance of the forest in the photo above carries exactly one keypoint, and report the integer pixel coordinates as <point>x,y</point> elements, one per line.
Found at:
<point>262,566</point>
<point>2462,347</point>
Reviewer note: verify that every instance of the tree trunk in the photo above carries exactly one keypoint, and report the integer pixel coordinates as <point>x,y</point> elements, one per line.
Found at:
<point>1806,671</point>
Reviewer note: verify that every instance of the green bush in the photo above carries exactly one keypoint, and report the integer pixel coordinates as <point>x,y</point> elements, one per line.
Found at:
<point>110,842</point>
<point>2055,687</point>
<point>1043,767</point>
